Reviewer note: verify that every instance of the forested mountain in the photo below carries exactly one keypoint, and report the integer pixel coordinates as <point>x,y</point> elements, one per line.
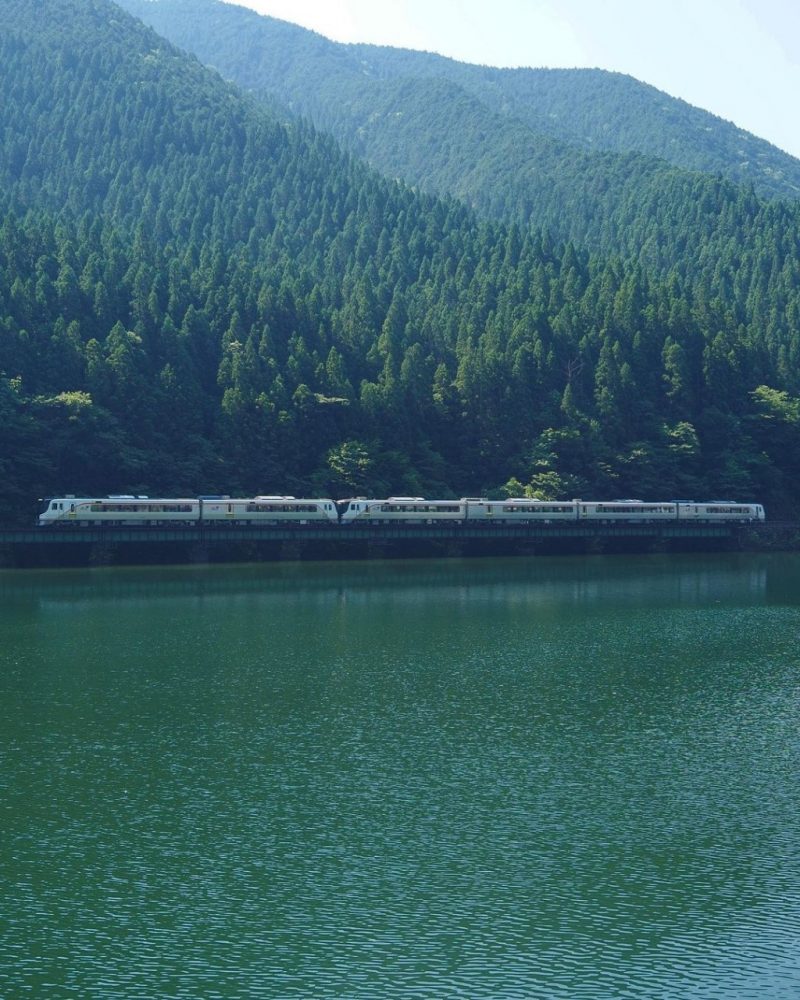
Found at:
<point>378,100</point>
<point>196,296</point>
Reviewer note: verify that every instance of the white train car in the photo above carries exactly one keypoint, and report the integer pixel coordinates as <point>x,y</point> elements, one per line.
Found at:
<point>119,510</point>
<point>521,510</point>
<point>266,510</point>
<point>151,511</point>
<point>632,511</point>
<point>719,510</point>
<point>401,509</point>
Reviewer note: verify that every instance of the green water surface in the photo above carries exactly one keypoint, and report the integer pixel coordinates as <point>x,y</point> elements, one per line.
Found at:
<point>520,778</point>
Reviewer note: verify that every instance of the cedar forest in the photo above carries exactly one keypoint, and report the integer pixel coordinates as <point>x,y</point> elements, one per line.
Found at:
<point>202,291</point>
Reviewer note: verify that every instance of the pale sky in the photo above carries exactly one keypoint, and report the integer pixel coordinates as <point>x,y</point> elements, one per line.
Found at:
<point>739,59</point>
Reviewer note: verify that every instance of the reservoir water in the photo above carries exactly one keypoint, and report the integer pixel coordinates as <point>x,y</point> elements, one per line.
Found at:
<point>552,778</point>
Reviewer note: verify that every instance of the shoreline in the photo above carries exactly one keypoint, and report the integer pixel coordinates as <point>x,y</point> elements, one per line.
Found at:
<point>32,550</point>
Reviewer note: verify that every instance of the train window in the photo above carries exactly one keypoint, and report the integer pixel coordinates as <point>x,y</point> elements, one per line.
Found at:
<point>419,508</point>
<point>536,508</point>
<point>638,509</point>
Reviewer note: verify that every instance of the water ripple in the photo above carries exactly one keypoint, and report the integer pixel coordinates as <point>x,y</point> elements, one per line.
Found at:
<point>492,791</point>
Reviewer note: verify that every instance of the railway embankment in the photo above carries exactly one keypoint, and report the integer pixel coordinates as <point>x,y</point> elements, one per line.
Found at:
<point>771,536</point>
<point>101,546</point>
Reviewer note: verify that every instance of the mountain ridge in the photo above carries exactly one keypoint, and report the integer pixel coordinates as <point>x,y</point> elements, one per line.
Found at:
<point>586,108</point>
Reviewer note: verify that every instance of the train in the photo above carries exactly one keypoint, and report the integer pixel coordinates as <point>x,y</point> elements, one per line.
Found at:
<point>124,510</point>
<point>127,510</point>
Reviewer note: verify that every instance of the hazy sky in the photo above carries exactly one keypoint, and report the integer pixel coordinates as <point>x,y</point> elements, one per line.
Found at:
<point>739,59</point>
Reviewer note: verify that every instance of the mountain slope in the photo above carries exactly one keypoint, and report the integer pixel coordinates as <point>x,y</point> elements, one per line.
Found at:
<point>612,112</point>
<point>346,89</point>
<point>197,297</point>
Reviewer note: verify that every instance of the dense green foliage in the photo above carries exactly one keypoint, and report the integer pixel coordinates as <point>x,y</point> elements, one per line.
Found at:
<point>195,297</point>
<point>474,127</point>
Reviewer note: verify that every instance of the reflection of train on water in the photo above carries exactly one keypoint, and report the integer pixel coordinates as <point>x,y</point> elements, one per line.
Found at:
<point>282,510</point>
